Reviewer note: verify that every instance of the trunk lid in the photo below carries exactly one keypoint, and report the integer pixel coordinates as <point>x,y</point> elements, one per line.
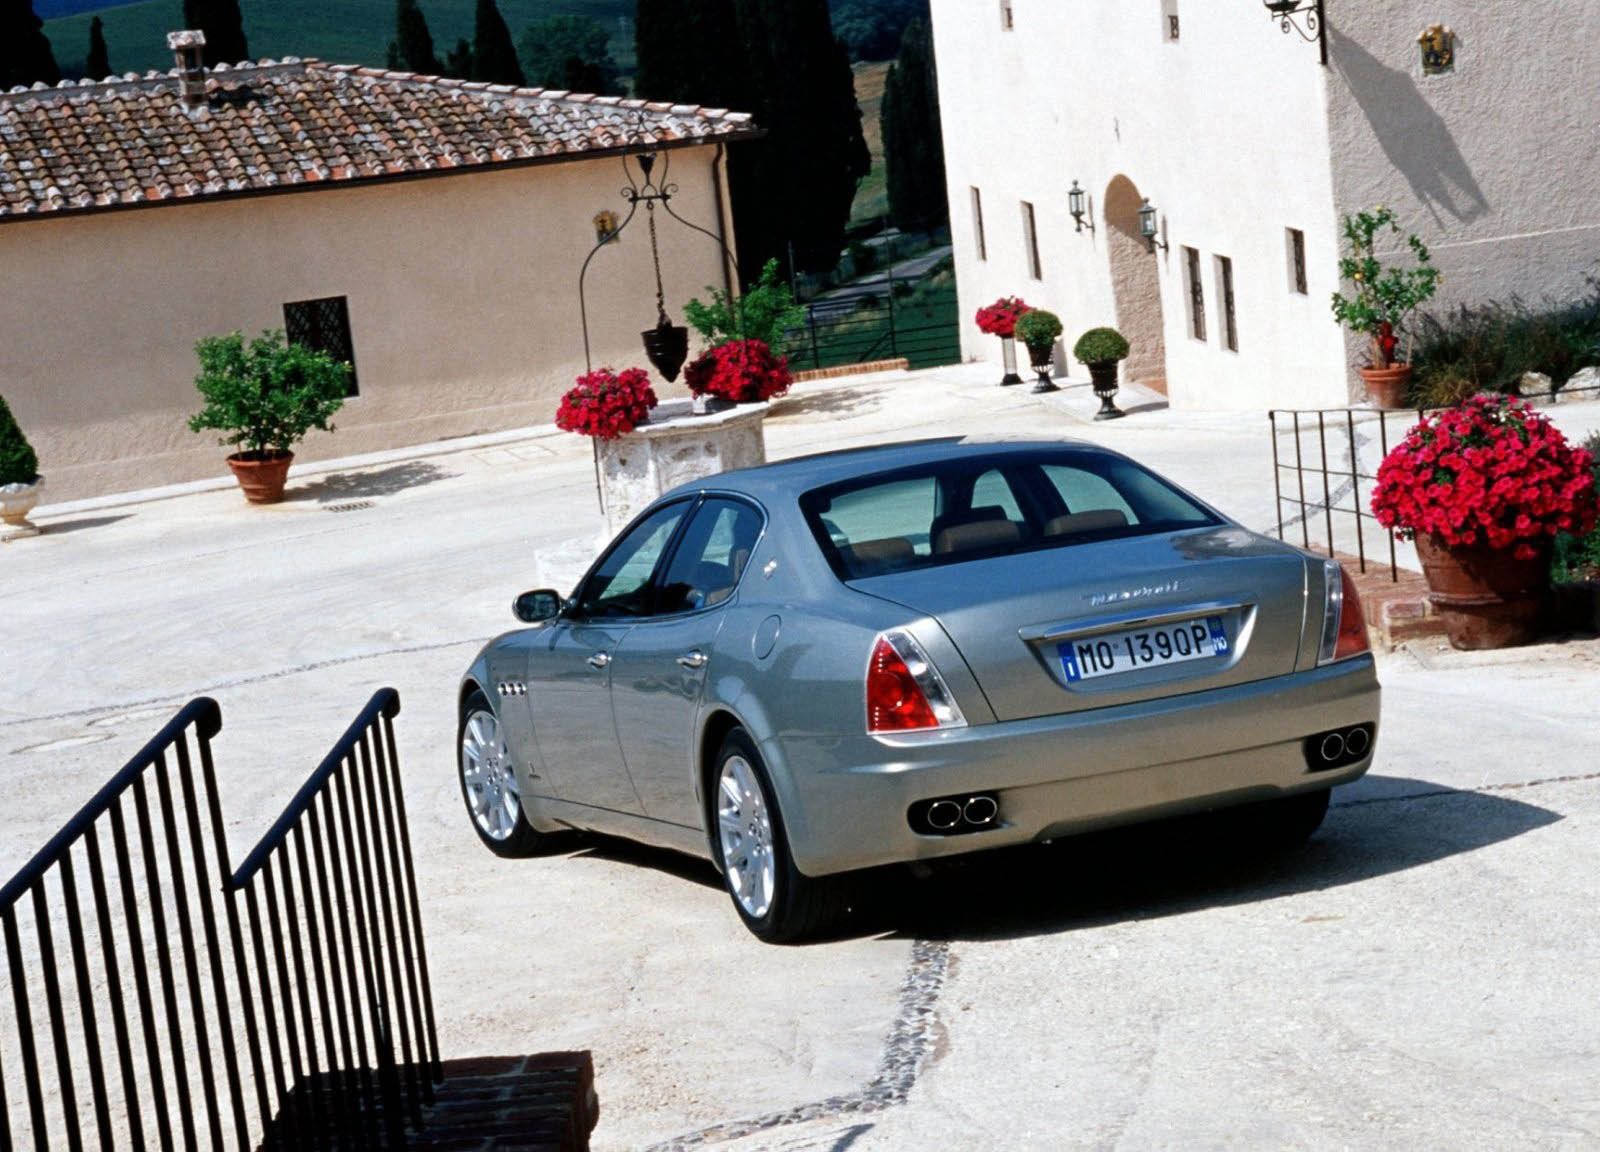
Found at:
<point>1161,615</point>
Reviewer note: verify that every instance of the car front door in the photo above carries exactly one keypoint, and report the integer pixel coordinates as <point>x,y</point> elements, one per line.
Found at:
<point>659,669</point>
<point>569,667</point>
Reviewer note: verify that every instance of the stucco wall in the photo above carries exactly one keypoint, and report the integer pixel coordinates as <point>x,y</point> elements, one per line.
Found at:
<point>463,302</point>
<point>1493,164</point>
<point>1225,130</point>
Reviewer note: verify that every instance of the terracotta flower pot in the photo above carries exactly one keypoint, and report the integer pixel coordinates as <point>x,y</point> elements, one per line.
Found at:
<point>262,475</point>
<point>1387,386</point>
<point>1486,597</point>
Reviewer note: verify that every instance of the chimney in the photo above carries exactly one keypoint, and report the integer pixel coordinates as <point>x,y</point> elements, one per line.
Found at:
<point>186,48</point>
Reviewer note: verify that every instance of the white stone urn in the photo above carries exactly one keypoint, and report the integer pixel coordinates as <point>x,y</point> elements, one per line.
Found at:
<point>16,501</point>
<point>674,448</point>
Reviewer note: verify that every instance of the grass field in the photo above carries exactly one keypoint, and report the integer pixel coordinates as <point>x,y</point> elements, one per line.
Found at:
<point>872,196</point>
<point>345,32</point>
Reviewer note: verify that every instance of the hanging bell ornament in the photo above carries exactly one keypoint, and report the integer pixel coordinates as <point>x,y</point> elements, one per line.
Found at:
<point>667,346</point>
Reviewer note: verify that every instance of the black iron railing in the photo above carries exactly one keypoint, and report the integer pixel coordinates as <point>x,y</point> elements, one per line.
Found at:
<point>1324,466</point>
<point>133,1038</point>
<point>861,328</point>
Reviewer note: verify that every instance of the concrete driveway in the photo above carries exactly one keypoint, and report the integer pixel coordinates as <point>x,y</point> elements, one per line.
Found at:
<point>1421,975</point>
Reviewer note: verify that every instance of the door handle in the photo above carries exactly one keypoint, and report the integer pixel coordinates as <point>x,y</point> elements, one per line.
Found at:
<point>599,659</point>
<point>694,658</point>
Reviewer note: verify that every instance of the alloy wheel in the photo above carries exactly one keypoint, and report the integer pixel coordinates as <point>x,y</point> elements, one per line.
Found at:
<point>487,776</point>
<point>745,828</point>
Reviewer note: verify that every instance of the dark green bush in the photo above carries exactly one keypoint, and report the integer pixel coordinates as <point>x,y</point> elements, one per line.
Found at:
<point>1490,347</point>
<point>765,311</point>
<point>265,396</point>
<point>1578,557</point>
<point>1038,327</point>
<point>1100,346</point>
<point>18,464</point>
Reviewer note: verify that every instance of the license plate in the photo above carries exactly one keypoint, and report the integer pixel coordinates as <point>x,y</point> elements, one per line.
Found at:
<point>1148,647</point>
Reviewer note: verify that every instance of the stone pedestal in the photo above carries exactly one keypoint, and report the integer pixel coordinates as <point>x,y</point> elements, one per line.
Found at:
<point>16,501</point>
<point>675,448</point>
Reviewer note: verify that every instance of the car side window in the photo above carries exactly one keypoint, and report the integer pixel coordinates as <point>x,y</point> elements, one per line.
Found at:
<point>711,558</point>
<point>621,585</point>
<point>1083,491</point>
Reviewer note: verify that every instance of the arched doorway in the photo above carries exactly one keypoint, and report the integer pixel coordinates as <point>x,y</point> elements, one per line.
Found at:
<point>1136,287</point>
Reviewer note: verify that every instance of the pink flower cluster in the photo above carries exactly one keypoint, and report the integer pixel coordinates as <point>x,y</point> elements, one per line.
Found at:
<point>1490,472</point>
<point>1000,318</point>
<point>607,404</point>
<point>741,371</point>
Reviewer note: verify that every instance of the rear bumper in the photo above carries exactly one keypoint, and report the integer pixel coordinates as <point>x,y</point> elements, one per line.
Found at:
<point>846,800</point>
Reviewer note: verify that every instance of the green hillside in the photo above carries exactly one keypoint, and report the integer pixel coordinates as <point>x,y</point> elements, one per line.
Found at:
<point>346,31</point>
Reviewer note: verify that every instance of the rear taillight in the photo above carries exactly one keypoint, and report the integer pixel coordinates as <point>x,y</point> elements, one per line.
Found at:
<point>905,692</point>
<point>1344,624</point>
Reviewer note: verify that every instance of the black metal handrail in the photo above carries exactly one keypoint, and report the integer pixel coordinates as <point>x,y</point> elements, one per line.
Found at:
<point>164,900</point>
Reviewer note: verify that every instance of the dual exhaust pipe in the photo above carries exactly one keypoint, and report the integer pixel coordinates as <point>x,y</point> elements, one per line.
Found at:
<point>955,815</point>
<point>1338,748</point>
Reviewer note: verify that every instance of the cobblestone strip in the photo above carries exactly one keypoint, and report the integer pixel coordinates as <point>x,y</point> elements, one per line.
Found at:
<point>905,1051</point>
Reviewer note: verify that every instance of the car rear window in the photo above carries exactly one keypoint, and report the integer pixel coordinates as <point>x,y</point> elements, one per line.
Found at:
<point>951,511</point>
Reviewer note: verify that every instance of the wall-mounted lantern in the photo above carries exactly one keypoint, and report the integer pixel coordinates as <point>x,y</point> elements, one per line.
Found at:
<point>1147,227</point>
<point>1438,46</point>
<point>1303,16</point>
<point>1077,202</point>
<point>606,225</point>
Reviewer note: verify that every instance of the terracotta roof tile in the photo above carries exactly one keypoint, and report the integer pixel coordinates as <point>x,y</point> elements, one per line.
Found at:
<point>85,145</point>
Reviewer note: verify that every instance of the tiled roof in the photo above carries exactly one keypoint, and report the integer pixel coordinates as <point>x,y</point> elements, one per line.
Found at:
<point>89,145</point>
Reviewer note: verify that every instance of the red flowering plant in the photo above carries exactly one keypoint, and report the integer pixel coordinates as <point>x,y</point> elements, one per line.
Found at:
<point>1492,472</point>
<point>1000,318</point>
<point>740,371</point>
<point>607,404</point>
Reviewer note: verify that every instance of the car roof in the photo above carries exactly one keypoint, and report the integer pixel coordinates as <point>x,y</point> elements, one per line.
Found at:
<point>803,473</point>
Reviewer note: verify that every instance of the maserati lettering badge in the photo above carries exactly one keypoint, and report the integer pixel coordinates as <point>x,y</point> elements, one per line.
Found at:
<point>1140,593</point>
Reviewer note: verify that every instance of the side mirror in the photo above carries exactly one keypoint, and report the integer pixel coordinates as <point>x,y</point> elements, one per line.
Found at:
<point>537,607</point>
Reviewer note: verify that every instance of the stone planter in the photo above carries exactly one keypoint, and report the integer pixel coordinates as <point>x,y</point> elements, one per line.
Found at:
<point>1008,358</point>
<point>674,448</point>
<point>1486,597</point>
<point>16,501</point>
<point>1387,386</point>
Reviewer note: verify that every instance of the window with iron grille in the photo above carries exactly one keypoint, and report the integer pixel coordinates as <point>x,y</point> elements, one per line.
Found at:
<point>1169,19</point>
<point>324,326</point>
<point>1197,294</point>
<point>1031,235</point>
<point>1230,328</point>
<point>977,224</point>
<point>1297,261</point>
<point>1006,19</point>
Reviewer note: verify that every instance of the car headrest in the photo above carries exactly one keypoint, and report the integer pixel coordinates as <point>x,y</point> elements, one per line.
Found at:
<point>870,557</point>
<point>976,536</point>
<point>1092,521</point>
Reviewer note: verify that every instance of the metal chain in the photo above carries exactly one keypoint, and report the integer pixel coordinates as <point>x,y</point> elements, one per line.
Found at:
<point>655,256</point>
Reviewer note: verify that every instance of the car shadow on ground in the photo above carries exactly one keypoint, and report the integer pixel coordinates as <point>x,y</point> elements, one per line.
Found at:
<point>337,486</point>
<point>1386,825</point>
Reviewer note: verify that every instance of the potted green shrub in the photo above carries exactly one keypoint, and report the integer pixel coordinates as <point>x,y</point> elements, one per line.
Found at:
<point>732,328</point>
<point>264,397</point>
<point>20,482</point>
<point>1382,300</point>
<point>1039,329</point>
<point>1101,350</point>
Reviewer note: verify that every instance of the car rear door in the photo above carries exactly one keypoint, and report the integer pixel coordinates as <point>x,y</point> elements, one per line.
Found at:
<point>659,672</point>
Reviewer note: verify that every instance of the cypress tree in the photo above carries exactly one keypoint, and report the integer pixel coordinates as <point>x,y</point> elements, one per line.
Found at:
<point>494,57</point>
<point>223,25</point>
<point>413,42</point>
<point>18,464</point>
<point>913,146</point>
<point>25,55</point>
<point>458,61</point>
<point>779,60</point>
<point>97,64</point>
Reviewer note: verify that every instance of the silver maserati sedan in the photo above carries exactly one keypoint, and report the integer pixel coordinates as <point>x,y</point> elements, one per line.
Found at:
<point>911,651</point>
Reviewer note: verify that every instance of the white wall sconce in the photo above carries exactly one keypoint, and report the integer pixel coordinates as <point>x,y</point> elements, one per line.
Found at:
<point>1077,207</point>
<point>1147,227</point>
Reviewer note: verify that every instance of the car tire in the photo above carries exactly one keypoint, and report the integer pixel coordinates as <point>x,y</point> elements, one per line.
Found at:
<point>775,900</point>
<point>489,783</point>
<point>1289,821</point>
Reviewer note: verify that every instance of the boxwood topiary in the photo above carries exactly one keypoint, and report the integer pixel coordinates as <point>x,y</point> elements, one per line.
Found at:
<point>18,463</point>
<point>1100,346</point>
<point>1038,327</point>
